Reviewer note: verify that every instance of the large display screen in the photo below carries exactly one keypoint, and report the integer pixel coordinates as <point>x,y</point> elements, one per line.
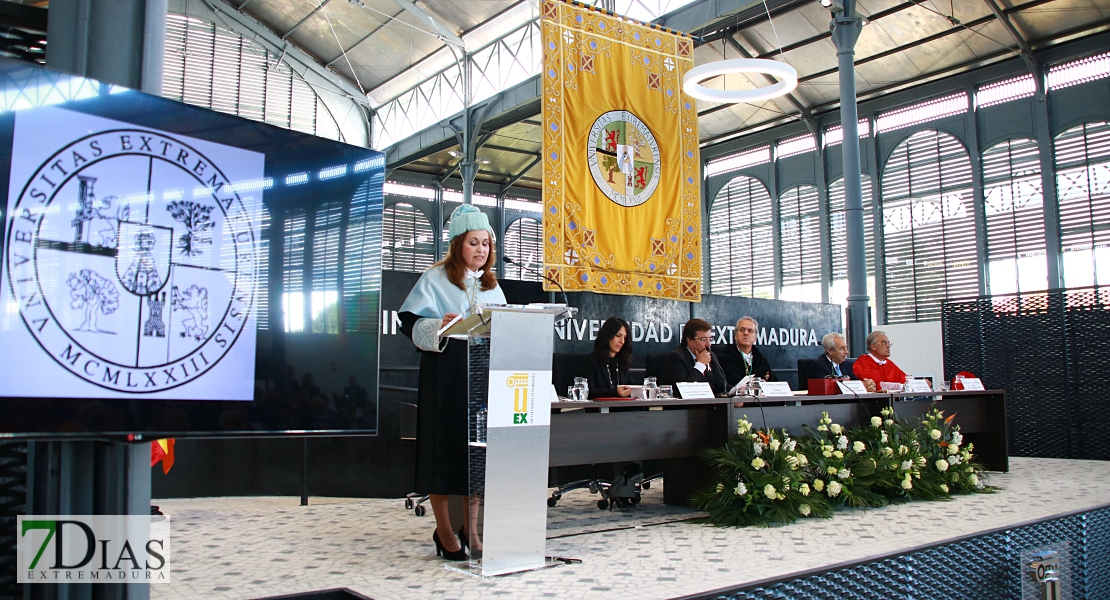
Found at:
<point>173,271</point>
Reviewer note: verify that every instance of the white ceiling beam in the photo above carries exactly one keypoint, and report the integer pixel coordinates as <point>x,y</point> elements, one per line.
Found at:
<point>445,34</point>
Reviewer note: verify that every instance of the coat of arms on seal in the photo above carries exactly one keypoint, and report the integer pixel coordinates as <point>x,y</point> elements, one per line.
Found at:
<point>133,260</point>
<point>623,157</point>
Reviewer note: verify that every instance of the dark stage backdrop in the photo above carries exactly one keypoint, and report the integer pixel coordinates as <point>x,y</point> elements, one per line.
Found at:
<point>1049,351</point>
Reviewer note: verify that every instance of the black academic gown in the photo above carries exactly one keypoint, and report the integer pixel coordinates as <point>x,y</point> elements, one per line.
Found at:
<point>736,368</point>
<point>604,376</point>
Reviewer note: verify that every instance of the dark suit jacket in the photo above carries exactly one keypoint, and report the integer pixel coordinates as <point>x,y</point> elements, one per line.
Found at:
<point>604,379</point>
<point>679,366</point>
<point>822,367</point>
<point>733,363</point>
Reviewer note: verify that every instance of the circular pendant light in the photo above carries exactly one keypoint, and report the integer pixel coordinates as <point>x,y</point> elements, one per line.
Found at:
<point>786,75</point>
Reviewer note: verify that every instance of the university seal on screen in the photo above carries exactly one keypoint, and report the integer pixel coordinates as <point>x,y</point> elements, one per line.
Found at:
<point>623,157</point>
<point>133,260</point>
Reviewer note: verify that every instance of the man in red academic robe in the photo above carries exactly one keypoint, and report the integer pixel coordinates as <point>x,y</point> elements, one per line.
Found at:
<point>875,367</point>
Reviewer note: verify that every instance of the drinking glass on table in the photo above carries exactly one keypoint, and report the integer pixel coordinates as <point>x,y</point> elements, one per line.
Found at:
<point>666,392</point>
<point>651,388</point>
<point>581,389</point>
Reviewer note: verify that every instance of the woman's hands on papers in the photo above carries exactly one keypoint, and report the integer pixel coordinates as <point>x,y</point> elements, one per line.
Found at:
<point>447,318</point>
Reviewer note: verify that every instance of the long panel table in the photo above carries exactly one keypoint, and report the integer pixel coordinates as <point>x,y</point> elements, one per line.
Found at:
<point>674,430</point>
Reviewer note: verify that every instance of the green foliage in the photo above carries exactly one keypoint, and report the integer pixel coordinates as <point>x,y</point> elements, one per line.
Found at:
<point>766,477</point>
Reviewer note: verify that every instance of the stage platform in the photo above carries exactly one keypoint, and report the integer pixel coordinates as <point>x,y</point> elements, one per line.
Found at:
<point>259,547</point>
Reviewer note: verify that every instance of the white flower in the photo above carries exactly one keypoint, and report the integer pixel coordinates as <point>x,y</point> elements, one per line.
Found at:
<point>804,510</point>
<point>920,460</point>
<point>834,489</point>
<point>822,428</point>
<point>884,438</point>
<point>819,485</point>
<point>942,465</point>
<point>957,437</point>
<point>974,480</point>
<point>757,463</point>
<point>804,489</point>
<point>944,487</point>
<point>720,486</point>
<point>842,442</point>
<point>743,426</point>
<point>790,445</point>
<point>935,434</point>
<point>953,449</point>
<point>757,448</point>
<point>835,429</point>
<point>876,422</point>
<point>858,446</point>
<point>889,422</point>
<point>741,489</point>
<point>844,473</point>
<point>907,484</point>
<point>907,465</point>
<point>832,470</point>
<point>792,461</point>
<point>769,491</point>
<point>953,460</point>
<point>838,454</point>
<point>827,454</point>
<point>903,450</point>
<point>775,444</point>
<point>888,451</point>
<point>802,460</point>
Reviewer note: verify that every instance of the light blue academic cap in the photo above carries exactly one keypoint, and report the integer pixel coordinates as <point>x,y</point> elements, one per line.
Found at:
<point>468,217</point>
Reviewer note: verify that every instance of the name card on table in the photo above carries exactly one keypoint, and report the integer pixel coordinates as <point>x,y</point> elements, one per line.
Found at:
<point>973,383</point>
<point>852,386</point>
<point>917,385</point>
<point>775,388</point>
<point>695,390</point>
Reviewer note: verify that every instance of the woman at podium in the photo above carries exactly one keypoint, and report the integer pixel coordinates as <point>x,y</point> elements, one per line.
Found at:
<point>445,290</point>
<point>608,365</point>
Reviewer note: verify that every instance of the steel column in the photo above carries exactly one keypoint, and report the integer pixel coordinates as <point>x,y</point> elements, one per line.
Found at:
<point>846,27</point>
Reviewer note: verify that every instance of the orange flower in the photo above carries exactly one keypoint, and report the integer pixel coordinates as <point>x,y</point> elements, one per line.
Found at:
<point>948,421</point>
<point>766,438</point>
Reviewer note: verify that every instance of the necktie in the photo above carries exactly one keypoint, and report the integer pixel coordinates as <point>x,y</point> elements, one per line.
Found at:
<point>837,369</point>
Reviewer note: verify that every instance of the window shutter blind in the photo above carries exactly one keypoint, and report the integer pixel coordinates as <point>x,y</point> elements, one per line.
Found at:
<point>524,243</point>
<point>741,240</point>
<point>407,239</point>
<point>1014,208</point>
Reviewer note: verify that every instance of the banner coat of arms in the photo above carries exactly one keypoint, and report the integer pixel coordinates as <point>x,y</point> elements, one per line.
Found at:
<point>621,179</point>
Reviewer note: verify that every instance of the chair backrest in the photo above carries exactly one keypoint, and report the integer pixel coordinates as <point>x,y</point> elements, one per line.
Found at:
<point>803,368</point>
<point>653,364</point>
<point>564,368</point>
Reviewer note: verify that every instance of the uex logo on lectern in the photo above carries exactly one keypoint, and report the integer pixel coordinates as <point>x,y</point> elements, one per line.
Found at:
<point>93,549</point>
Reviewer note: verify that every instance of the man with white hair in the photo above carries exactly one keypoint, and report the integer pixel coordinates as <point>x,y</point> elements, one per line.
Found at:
<point>743,358</point>
<point>834,362</point>
<point>876,365</point>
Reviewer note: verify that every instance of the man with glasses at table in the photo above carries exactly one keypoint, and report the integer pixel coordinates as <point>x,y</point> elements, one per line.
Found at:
<point>875,368</point>
<point>693,361</point>
<point>743,358</point>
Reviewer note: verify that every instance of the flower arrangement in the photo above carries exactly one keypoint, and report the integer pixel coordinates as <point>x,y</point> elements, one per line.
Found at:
<point>767,477</point>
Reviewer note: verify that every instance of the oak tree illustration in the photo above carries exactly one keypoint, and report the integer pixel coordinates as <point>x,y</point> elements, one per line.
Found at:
<point>93,294</point>
<point>197,219</point>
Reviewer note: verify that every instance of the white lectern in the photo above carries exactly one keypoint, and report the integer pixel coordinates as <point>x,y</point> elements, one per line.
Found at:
<point>509,358</point>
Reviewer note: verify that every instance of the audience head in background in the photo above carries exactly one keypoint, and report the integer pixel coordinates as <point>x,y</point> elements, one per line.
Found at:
<point>878,344</point>
<point>614,340</point>
<point>747,328</point>
<point>836,347</point>
<point>471,249</point>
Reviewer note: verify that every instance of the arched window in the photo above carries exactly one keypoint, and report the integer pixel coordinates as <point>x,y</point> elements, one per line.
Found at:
<point>838,241</point>
<point>524,244</point>
<point>1083,193</point>
<point>1014,206</point>
<point>361,268</point>
<point>292,270</point>
<point>207,65</point>
<point>741,244</point>
<point>326,248</point>
<point>407,239</point>
<point>800,232</point>
<point>928,227</point>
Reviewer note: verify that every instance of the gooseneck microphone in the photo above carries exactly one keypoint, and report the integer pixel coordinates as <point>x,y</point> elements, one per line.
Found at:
<point>510,261</point>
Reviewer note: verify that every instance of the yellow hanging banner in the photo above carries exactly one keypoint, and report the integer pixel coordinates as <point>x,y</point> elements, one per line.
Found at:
<point>621,183</point>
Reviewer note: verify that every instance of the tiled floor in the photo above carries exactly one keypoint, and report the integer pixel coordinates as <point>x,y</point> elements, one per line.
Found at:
<point>257,547</point>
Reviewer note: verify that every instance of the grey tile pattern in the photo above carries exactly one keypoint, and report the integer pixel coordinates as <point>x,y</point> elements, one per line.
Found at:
<point>255,547</point>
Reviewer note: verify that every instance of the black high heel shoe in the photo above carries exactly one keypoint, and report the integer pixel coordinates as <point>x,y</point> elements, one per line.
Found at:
<point>457,555</point>
<point>464,542</point>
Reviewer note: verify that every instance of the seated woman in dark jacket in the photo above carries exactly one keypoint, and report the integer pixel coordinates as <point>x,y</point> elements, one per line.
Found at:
<point>608,364</point>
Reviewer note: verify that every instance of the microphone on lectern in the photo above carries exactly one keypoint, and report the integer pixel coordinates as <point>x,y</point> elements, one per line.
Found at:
<point>541,274</point>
